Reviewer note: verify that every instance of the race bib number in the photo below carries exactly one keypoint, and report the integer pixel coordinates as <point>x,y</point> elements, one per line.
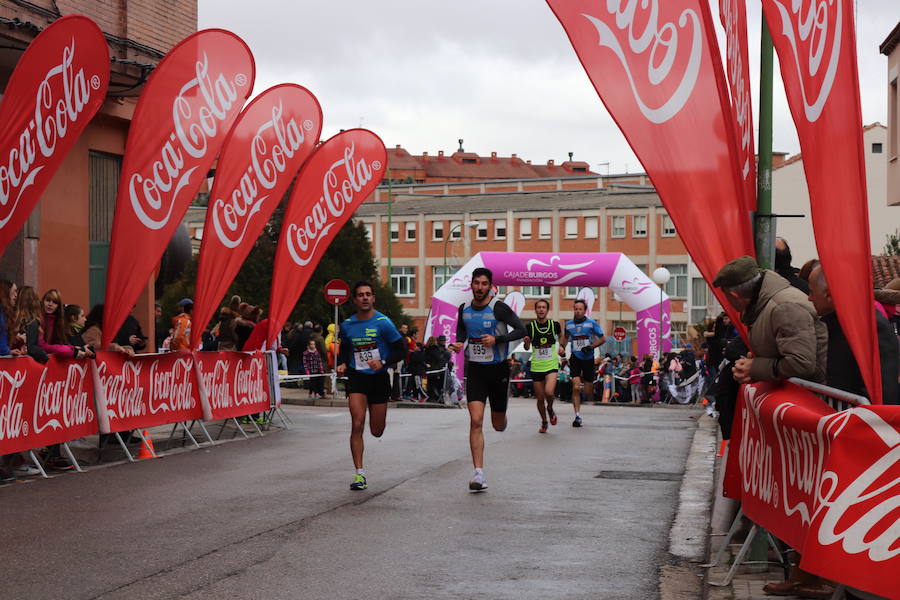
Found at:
<point>580,343</point>
<point>479,353</point>
<point>362,357</point>
<point>543,353</point>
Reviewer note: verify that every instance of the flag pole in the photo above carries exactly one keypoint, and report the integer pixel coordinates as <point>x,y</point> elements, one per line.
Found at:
<point>764,221</point>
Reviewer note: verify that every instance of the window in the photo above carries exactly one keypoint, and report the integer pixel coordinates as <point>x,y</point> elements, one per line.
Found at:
<point>571,227</point>
<point>893,122</point>
<point>544,228</point>
<point>370,232</point>
<point>698,315</point>
<point>441,276</point>
<point>410,231</point>
<point>524,229</point>
<point>536,291</point>
<point>455,230</point>
<point>679,327</point>
<point>437,231</point>
<point>590,227</point>
<point>403,280</point>
<point>668,227</point>
<point>499,229</point>
<point>640,225</point>
<point>699,292</point>
<point>481,231</point>
<point>395,232</point>
<point>628,326</point>
<point>198,233</point>
<point>571,291</point>
<point>677,287</point>
<point>876,148</point>
<point>618,227</point>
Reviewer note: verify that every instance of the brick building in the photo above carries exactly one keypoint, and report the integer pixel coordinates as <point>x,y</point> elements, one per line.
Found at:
<point>890,47</point>
<point>66,241</point>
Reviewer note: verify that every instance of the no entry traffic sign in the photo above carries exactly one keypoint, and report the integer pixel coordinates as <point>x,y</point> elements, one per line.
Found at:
<point>337,292</point>
<point>619,334</point>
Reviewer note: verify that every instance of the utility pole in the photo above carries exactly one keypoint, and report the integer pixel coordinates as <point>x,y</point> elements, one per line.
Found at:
<point>390,240</point>
<point>764,220</point>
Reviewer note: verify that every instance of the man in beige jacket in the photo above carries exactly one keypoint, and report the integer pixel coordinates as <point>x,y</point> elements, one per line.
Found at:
<point>787,338</point>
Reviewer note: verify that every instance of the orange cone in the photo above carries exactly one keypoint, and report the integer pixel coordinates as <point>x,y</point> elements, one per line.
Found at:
<point>147,449</point>
<point>722,447</point>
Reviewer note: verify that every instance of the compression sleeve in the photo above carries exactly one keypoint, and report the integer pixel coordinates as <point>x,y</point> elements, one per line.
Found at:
<point>345,349</point>
<point>398,351</point>
<point>506,315</point>
<point>461,334</point>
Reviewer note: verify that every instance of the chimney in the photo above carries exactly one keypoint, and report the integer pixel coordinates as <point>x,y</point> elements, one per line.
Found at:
<point>550,163</point>
<point>514,155</point>
<point>460,145</point>
<point>493,156</point>
<point>528,162</point>
<point>397,146</point>
<point>571,154</point>
<point>440,153</point>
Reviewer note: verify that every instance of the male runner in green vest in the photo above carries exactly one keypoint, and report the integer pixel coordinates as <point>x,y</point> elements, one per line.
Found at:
<point>543,335</point>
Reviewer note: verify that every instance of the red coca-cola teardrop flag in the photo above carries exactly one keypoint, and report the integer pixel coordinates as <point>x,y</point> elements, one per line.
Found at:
<point>656,67</point>
<point>816,45</point>
<point>340,174</point>
<point>182,118</point>
<point>271,139</point>
<point>56,89</point>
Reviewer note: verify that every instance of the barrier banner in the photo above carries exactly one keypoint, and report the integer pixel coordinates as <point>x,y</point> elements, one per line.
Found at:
<point>816,45</point>
<point>656,67</point>
<point>733,15</point>
<point>44,404</point>
<point>232,384</point>
<point>181,120</point>
<point>340,174</point>
<point>145,390</point>
<point>825,482</point>
<point>271,139</point>
<point>55,90</point>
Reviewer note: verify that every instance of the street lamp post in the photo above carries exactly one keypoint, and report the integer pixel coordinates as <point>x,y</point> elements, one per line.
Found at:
<point>660,277</point>
<point>450,235</point>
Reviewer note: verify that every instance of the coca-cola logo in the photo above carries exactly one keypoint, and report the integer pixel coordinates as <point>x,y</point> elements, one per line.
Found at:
<point>271,149</point>
<point>250,383</point>
<point>60,100</point>
<point>12,423</point>
<point>735,31</point>
<point>814,30</point>
<point>341,184</point>
<point>62,403</point>
<point>669,53</point>
<point>202,105</point>
<point>124,391</point>
<point>218,386</point>
<point>171,388</point>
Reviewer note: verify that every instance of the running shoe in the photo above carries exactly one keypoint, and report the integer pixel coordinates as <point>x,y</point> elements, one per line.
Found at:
<point>478,483</point>
<point>576,422</point>
<point>543,428</point>
<point>60,464</point>
<point>26,471</point>
<point>359,482</point>
<point>552,415</point>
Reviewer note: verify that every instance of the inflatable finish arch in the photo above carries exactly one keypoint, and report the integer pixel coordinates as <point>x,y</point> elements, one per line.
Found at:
<point>602,269</point>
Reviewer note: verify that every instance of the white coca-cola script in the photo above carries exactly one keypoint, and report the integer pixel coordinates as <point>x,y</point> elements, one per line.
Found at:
<point>814,35</point>
<point>171,388</point>
<point>341,183</point>
<point>218,388</point>
<point>740,88</point>
<point>62,403</point>
<point>637,21</point>
<point>12,424</point>
<point>273,145</point>
<point>124,392</point>
<point>200,107</point>
<point>250,384</point>
<point>59,101</point>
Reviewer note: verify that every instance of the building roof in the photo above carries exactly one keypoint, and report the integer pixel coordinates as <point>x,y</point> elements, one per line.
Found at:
<point>471,166</point>
<point>518,201</point>
<point>891,41</point>
<point>799,156</point>
<point>885,269</point>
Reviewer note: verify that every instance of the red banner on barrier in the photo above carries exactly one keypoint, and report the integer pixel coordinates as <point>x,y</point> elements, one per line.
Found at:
<point>271,139</point>
<point>55,90</point>
<point>340,174</point>
<point>816,45</point>
<point>42,405</point>
<point>657,69</point>
<point>181,120</point>
<point>145,390</point>
<point>827,483</point>
<point>232,384</point>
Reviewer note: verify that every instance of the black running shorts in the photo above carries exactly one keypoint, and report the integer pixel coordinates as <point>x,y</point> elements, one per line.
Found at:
<point>376,387</point>
<point>583,368</point>
<point>540,377</point>
<point>488,382</point>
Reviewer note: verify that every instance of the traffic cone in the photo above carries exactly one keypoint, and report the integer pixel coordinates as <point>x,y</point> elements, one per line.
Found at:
<point>147,449</point>
<point>722,447</point>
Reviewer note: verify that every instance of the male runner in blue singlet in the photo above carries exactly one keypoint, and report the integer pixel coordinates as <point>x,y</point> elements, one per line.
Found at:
<point>369,342</point>
<point>485,326</point>
<point>585,335</point>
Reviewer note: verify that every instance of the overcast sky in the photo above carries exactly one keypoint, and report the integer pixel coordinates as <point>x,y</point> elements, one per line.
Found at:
<point>500,74</point>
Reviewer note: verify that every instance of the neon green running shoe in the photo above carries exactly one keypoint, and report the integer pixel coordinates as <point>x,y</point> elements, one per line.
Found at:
<point>359,482</point>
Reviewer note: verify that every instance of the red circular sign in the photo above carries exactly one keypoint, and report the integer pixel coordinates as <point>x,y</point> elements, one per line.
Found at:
<point>619,334</point>
<point>337,292</point>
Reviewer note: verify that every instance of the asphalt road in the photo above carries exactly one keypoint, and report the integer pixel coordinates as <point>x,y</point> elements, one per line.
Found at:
<point>273,518</point>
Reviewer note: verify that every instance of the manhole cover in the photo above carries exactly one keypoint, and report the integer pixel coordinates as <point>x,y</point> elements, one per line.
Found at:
<point>639,475</point>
